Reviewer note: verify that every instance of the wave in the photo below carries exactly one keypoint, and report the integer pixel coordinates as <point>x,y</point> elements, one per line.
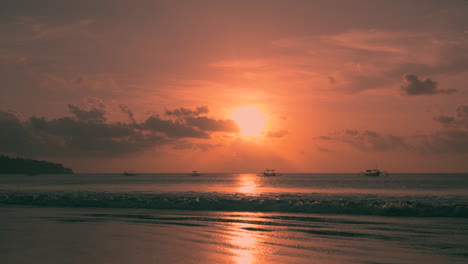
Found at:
<point>297,203</point>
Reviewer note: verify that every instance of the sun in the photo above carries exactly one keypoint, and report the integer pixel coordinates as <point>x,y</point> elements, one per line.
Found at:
<point>250,120</point>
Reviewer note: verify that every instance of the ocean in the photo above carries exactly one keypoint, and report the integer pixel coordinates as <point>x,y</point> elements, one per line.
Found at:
<point>234,218</point>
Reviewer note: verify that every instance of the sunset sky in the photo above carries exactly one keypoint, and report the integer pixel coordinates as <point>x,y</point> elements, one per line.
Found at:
<point>236,86</point>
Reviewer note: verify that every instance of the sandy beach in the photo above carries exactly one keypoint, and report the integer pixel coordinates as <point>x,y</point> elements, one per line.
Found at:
<point>96,235</point>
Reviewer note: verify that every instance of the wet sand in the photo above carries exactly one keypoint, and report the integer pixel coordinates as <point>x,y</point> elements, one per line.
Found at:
<point>96,235</point>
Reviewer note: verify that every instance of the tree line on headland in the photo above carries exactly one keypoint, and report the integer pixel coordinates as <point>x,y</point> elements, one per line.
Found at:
<point>29,166</point>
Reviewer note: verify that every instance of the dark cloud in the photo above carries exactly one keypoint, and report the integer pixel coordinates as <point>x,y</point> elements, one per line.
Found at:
<point>277,134</point>
<point>126,110</point>
<point>181,112</point>
<point>8,116</point>
<point>196,146</point>
<point>459,120</point>
<point>368,141</point>
<point>172,128</point>
<point>446,141</point>
<point>324,138</point>
<point>462,112</point>
<point>12,132</point>
<point>413,86</point>
<point>88,133</point>
<point>322,149</point>
<point>96,113</point>
<point>452,139</point>
<point>445,120</point>
<point>208,124</point>
<point>351,132</point>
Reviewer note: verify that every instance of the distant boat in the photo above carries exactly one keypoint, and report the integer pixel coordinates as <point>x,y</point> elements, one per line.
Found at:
<point>130,173</point>
<point>195,173</point>
<point>270,173</point>
<point>373,173</point>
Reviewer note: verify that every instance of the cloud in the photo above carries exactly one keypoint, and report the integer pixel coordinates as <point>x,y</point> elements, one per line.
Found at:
<point>462,112</point>
<point>277,134</point>
<point>126,110</point>
<point>209,124</point>
<point>21,29</point>
<point>362,60</point>
<point>351,132</point>
<point>453,138</point>
<point>12,132</point>
<point>412,86</point>
<point>95,114</point>
<point>196,146</point>
<point>459,120</point>
<point>172,128</point>
<point>368,141</point>
<point>445,120</point>
<point>87,132</point>
<point>446,141</point>
<point>81,83</point>
<point>182,112</point>
<point>322,149</point>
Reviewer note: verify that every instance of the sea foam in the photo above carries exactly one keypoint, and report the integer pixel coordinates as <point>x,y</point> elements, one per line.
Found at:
<point>299,203</point>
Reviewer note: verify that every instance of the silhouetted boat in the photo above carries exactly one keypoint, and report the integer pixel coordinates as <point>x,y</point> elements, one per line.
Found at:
<point>373,172</point>
<point>130,173</point>
<point>270,173</point>
<point>195,173</point>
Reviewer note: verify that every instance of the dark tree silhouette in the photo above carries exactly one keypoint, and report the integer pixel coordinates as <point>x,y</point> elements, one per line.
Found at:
<point>29,166</point>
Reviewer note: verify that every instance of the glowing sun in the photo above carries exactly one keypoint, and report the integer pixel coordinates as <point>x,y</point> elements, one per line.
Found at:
<point>250,120</point>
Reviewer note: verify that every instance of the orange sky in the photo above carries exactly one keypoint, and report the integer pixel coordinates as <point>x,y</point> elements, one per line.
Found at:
<point>153,86</point>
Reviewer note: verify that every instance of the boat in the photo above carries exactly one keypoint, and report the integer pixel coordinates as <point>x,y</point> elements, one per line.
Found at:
<point>270,173</point>
<point>130,173</point>
<point>373,173</point>
<point>195,173</point>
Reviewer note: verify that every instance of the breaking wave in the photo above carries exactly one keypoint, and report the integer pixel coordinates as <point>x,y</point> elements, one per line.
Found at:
<point>297,203</point>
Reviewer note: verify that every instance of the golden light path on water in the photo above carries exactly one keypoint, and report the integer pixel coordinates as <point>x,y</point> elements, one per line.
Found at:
<point>244,243</point>
<point>246,247</point>
<point>247,183</point>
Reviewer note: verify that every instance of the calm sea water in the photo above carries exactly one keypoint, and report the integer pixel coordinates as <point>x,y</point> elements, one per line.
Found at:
<point>398,194</point>
<point>234,218</point>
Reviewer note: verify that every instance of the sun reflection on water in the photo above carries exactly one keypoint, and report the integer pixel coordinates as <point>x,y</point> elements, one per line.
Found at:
<point>247,183</point>
<point>245,246</point>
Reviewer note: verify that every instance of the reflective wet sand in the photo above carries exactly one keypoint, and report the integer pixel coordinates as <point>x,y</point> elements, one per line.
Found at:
<point>95,235</point>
